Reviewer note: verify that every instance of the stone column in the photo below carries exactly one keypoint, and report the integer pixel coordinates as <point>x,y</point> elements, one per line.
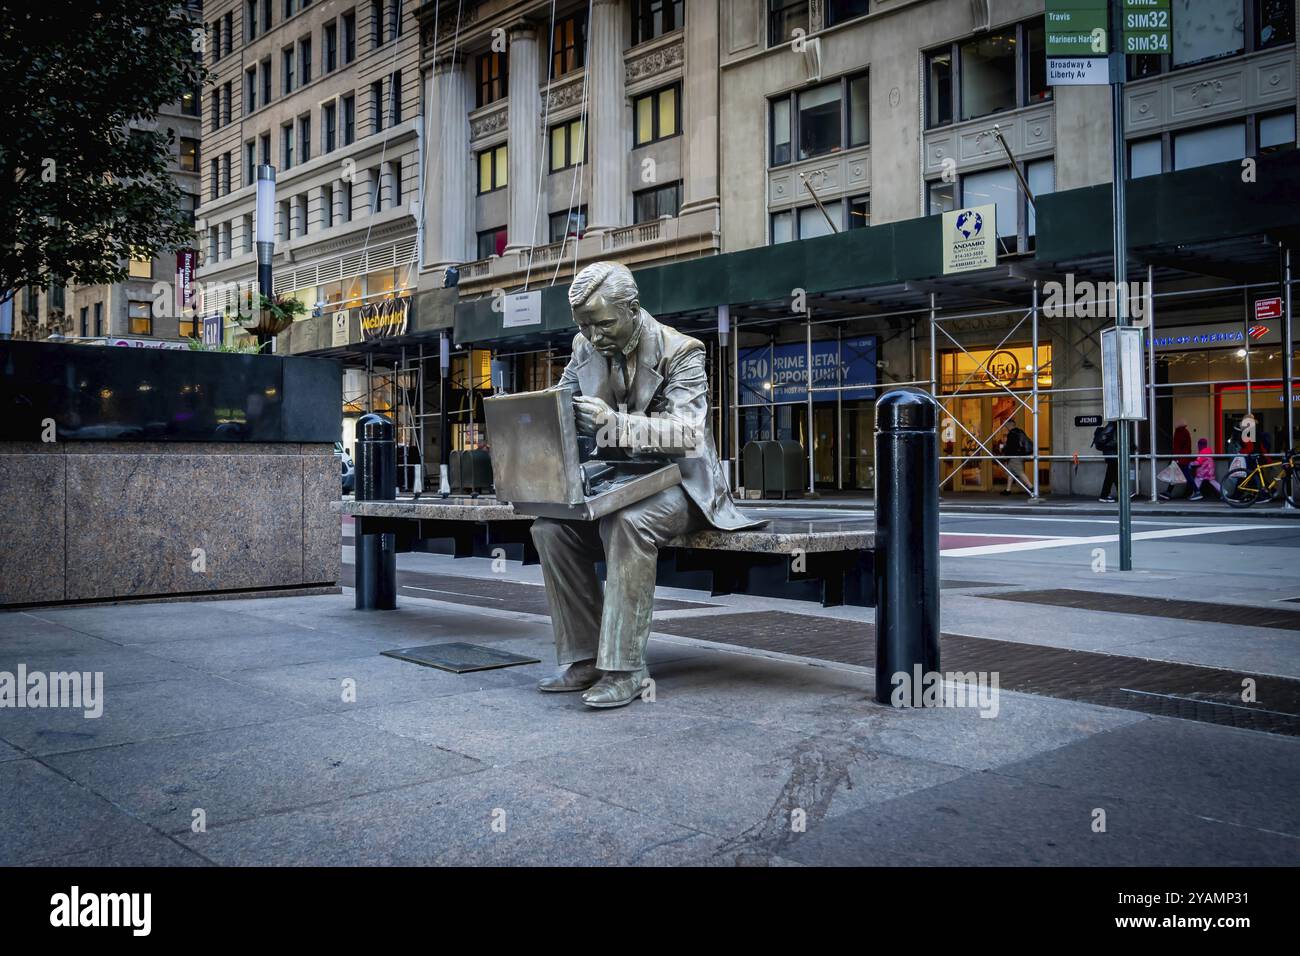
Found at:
<point>316,209</point>
<point>607,113</point>
<point>447,204</point>
<point>700,107</point>
<point>524,146</point>
<point>337,200</point>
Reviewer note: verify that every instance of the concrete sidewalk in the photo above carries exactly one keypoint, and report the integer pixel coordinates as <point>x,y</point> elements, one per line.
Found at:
<point>234,713</point>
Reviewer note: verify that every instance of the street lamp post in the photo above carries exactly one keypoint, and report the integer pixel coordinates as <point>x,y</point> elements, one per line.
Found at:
<point>265,178</point>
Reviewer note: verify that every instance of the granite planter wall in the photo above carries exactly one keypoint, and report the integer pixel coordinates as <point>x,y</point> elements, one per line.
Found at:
<point>220,479</point>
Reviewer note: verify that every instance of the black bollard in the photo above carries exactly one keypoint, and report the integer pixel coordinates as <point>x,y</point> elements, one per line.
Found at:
<point>907,542</point>
<point>376,554</point>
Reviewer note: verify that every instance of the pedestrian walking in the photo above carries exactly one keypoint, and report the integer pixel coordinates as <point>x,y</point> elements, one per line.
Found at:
<point>1016,448</point>
<point>1104,440</point>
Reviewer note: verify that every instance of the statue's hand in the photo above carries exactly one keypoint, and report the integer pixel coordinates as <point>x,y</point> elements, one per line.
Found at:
<point>591,414</point>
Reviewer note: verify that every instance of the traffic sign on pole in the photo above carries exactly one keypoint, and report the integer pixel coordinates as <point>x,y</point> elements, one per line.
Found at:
<point>1076,39</point>
<point>1146,27</point>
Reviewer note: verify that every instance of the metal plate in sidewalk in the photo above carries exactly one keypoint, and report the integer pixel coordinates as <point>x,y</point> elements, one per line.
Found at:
<point>459,658</point>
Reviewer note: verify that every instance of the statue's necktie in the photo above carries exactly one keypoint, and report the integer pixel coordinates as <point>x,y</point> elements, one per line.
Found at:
<point>618,377</point>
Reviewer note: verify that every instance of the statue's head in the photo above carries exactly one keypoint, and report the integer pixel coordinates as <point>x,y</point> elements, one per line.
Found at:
<point>605,304</point>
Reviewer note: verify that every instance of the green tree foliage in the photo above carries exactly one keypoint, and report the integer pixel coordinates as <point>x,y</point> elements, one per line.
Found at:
<point>84,180</point>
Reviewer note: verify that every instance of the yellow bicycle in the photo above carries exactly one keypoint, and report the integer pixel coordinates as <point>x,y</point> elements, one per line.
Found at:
<point>1265,481</point>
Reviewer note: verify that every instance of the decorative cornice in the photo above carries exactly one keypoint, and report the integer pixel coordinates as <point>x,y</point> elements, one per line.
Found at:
<point>657,60</point>
<point>491,119</point>
<point>563,93</point>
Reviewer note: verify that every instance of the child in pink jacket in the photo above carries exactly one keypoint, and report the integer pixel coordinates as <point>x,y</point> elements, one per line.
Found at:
<point>1203,470</point>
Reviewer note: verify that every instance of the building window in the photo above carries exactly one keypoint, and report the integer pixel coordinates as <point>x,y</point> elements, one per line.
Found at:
<point>492,70</point>
<point>304,61</point>
<point>214,179</point>
<point>654,18</point>
<point>225,172</point>
<point>349,37</point>
<point>345,188</point>
<point>304,138</point>
<point>214,110</point>
<point>286,70</point>
<point>264,148</point>
<point>492,169</point>
<point>250,162</point>
<point>227,94</point>
<point>216,41</point>
<point>650,204</point>
<point>189,204</point>
<point>570,224</point>
<point>1210,144</point>
<point>1145,158</point>
<point>331,44</point>
<point>190,102</point>
<point>395,180</point>
<point>819,121</point>
<point>999,70</point>
<point>349,119</point>
<point>139,317</point>
<point>327,205</point>
<point>568,45</point>
<point>1274,23</point>
<point>99,318</point>
<point>657,115</point>
<point>228,36</point>
<point>189,157</point>
<point>250,90</point>
<point>1206,30</point>
<point>492,242</point>
<point>376,22</point>
<point>286,145</point>
<point>377,105</point>
<point>85,321</point>
<point>783,18</point>
<point>57,296</point>
<point>568,145</point>
<point>1276,132</point>
<point>859,212</point>
<point>328,122</point>
<point>250,18</point>
<point>266,15</point>
<point>266,81</point>
<point>837,11</point>
<point>284,217</point>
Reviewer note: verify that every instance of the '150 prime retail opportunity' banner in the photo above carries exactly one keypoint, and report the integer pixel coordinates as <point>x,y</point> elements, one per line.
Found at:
<point>780,374</point>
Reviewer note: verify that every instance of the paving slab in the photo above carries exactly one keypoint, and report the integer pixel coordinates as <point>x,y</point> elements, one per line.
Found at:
<point>986,819</point>
<point>43,814</point>
<point>199,621</point>
<point>740,781</point>
<point>154,850</point>
<point>1218,773</point>
<point>451,823</point>
<point>376,681</point>
<point>138,712</point>
<point>255,770</point>
<point>520,723</point>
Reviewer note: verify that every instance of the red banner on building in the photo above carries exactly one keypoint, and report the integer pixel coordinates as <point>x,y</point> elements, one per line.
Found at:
<point>187,260</point>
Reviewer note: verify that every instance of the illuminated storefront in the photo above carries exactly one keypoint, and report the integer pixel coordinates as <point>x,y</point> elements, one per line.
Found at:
<point>982,390</point>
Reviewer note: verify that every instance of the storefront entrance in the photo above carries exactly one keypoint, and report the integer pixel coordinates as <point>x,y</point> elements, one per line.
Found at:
<point>978,409</point>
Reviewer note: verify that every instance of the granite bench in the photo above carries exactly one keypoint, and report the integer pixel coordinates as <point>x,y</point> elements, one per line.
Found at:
<point>829,560</point>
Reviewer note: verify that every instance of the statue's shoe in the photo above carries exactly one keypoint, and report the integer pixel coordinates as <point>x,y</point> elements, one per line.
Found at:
<point>616,689</point>
<point>575,677</point>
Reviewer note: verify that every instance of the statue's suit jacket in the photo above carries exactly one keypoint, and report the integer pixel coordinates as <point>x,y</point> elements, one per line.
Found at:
<point>667,411</point>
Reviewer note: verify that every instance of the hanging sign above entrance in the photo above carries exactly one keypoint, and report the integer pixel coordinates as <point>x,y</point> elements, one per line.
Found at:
<point>970,239</point>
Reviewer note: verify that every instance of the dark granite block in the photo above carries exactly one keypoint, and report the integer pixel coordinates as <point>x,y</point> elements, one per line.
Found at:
<point>321,530</point>
<point>150,512</point>
<point>31,534</point>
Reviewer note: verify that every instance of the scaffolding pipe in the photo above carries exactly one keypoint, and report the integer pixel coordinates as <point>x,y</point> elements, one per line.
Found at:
<point>1034,380</point>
